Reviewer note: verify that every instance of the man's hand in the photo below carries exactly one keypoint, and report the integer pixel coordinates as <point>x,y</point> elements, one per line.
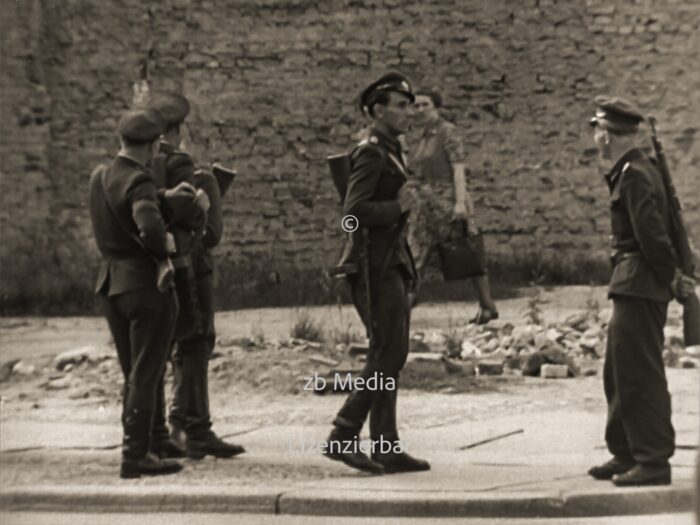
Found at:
<point>184,189</point>
<point>203,200</point>
<point>407,198</point>
<point>682,286</point>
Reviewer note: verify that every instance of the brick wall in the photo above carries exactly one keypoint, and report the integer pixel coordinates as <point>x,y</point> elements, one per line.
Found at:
<point>272,85</point>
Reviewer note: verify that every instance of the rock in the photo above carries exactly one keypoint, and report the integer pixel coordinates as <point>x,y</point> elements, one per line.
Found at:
<point>490,368</point>
<point>23,369</point>
<point>590,371</point>
<point>578,321</point>
<point>356,349</point>
<point>59,384</point>
<point>74,357</point>
<point>555,356</point>
<point>514,362</point>
<point>524,335</point>
<point>541,341</point>
<point>6,369</point>
<point>688,362</point>
<point>425,356</point>
<point>243,342</point>
<point>693,350</point>
<point>550,371</point>
<point>507,341</point>
<point>533,364</point>
<point>469,350</point>
<point>491,346</point>
<point>553,335</point>
<point>320,360</point>
<point>415,345</point>
<point>455,367</point>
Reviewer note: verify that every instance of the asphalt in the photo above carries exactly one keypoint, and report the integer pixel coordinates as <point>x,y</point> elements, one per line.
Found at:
<point>536,469</point>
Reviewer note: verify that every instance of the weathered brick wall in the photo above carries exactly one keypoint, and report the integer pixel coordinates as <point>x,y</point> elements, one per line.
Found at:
<point>273,84</point>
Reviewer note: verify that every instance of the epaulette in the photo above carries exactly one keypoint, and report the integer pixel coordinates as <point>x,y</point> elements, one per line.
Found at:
<point>372,139</point>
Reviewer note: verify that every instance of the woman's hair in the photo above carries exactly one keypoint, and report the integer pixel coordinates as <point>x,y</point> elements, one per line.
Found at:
<point>433,95</point>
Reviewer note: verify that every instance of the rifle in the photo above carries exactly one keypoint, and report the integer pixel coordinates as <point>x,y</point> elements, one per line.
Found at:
<point>340,167</point>
<point>679,237</point>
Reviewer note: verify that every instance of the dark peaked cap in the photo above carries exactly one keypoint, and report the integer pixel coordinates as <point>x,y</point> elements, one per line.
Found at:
<point>141,125</point>
<point>172,106</point>
<point>389,82</point>
<point>616,114</point>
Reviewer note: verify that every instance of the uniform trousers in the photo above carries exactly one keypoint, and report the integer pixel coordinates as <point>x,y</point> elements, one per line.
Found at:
<point>189,410</point>
<point>390,313</point>
<point>639,425</point>
<point>142,324</point>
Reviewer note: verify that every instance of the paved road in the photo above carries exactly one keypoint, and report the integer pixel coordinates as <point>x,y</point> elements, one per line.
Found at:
<point>49,518</point>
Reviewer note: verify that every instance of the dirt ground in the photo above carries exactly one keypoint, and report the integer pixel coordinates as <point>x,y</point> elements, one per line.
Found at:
<point>264,386</point>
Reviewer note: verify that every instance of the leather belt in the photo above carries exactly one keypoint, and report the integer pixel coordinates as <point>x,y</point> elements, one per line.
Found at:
<point>617,257</point>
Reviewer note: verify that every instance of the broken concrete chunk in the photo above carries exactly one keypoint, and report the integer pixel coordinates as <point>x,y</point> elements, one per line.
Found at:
<point>688,362</point>
<point>23,369</point>
<point>469,350</point>
<point>549,371</point>
<point>490,368</point>
<point>533,364</point>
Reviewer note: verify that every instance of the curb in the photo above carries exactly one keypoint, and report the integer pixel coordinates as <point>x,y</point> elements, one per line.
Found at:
<point>650,500</point>
<point>140,499</point>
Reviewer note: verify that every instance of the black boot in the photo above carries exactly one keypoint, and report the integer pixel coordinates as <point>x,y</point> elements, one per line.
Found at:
<point>395,461</point>
<point>608,469</point>
<point>148,465</point>
<point>644,475</point>
<point>136,458</point>
<point>211,445</point>
<point>345,446</point>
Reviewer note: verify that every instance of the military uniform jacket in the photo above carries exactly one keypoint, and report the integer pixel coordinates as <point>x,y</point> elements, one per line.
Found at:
<point>378,172</point>
<point>641,225</point>
<point>128,227</point>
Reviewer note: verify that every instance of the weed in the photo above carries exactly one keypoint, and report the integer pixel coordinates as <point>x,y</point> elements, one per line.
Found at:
<point>306,327</point>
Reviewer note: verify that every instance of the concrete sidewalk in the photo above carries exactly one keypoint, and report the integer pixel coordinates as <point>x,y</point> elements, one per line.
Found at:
<point>538,470</point>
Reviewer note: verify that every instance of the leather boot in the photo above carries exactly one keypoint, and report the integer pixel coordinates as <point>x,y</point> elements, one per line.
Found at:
<point>398,461</point>
<point>344,445</point>
<point>644,475</point>
<point>611,467</point>
<point>148,465</point>
<point>210,444</point>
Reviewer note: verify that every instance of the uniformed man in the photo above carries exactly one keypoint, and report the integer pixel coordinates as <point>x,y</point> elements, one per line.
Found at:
<point>645,278</point>
<point>445,202</point>
<point>198,226</point>
<point>377,196</point>
<point>140,309</point>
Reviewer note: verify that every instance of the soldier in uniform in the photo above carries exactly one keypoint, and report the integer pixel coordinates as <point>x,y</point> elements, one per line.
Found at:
<point>197,224</point>
<point>645,278</point>
<point>378,197</point>
<point>445,203</point>
<point>132,239</point>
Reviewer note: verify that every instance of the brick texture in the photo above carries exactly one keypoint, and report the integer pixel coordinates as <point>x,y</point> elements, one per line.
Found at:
<point>273,85</point>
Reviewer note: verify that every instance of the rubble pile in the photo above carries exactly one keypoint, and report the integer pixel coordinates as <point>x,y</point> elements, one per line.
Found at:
<point>572,347</point>
<point>450,359</point>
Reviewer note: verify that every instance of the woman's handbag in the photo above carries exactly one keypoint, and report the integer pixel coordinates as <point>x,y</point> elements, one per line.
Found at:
<point>462,257</point>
